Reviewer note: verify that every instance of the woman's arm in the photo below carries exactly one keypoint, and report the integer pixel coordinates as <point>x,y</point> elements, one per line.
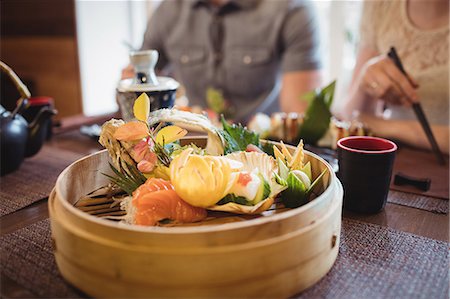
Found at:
<point>356,98</point>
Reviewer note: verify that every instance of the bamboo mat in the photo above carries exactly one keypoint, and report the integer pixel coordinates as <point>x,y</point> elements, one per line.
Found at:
<point>373,262</point>
<point>34,180</point>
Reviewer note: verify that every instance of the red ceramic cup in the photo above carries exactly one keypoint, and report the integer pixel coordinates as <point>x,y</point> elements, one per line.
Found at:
<point>365,169</point>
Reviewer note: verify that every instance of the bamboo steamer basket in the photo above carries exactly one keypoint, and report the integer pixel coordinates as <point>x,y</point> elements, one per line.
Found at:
<point>275,255</point>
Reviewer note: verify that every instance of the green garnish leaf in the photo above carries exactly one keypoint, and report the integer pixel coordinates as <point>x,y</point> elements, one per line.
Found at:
<point>318,114</point>
<point>165,221</point>
<point>163,154</point>
<point>237,137</point>
<point>295,195</point>
<point>307,170</point>
<point>267,147</point>
<point>267,190</point>
<point>316,181</point>
<point>234,198</point>
<point>282,169</point>
<point>280,180</point>
<point>129,180</point>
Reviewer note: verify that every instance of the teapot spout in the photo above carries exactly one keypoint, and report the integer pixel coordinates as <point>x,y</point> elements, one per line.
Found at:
<point>37,131</point>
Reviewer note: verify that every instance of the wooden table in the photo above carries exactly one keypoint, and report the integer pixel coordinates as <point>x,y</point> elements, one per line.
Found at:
<point>419,222</point>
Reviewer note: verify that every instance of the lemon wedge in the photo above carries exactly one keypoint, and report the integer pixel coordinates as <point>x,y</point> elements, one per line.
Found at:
<point>141,108</point>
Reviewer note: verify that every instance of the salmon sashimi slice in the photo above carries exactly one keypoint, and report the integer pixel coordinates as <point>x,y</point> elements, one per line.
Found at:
<point>156,200</point>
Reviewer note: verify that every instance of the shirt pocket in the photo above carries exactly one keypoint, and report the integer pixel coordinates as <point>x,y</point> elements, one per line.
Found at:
<point>249,57</point>
<point>190,63</point>
<point>251,71</point>
<point>187,56</point>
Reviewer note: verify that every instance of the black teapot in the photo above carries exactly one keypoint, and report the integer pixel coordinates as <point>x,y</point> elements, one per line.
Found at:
<point>19,139</point>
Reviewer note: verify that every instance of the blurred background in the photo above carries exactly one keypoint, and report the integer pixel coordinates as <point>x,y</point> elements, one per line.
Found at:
<point>83,45</point>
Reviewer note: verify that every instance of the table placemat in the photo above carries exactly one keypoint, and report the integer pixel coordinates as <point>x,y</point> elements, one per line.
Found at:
<point>421,164</point>
<point>27,258</point>
<point>431,204</point>
<point>34,179</point>
<point>373,262</point>
<point>380,262</point>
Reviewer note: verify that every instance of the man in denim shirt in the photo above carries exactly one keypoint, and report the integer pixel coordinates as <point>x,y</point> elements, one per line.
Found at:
<point>261,54</point>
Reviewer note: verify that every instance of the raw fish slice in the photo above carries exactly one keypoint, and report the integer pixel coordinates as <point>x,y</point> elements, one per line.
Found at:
<point>151,185</point>
<point>156,200</point>
<point>166,204</point>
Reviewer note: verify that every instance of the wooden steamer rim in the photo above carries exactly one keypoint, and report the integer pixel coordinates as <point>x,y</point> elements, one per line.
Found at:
<point>312,251</point>
<point>333,181</point>
<point>255,243</point>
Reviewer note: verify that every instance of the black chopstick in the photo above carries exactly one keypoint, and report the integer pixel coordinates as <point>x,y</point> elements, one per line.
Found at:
<point>417,107</point>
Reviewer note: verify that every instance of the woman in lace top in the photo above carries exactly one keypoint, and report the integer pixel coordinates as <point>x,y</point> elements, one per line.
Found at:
<point>379,93</point>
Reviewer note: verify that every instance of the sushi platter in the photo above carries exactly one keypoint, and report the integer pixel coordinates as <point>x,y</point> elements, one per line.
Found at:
<point>204,217</point>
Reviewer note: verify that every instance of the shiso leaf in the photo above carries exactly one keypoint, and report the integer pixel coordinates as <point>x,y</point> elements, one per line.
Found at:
<point>267,147</point>
<point>237,137</point>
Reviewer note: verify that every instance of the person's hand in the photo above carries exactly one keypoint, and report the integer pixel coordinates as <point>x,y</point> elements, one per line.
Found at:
<point>381,79</point>
<point>127,72</point>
